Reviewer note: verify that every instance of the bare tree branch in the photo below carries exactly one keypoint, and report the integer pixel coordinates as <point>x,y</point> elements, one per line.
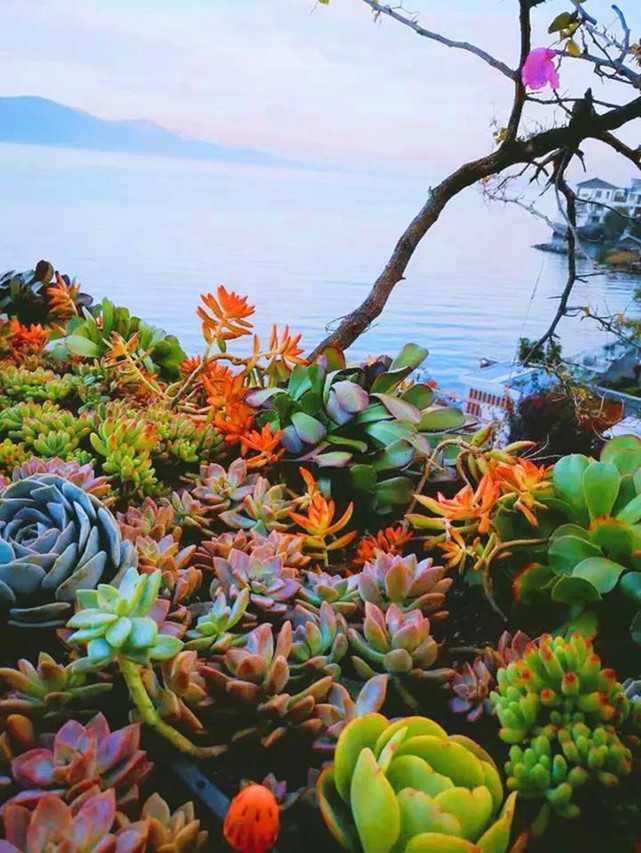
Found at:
<point>566,138</point>
<point>408,21</point>
<point>633,154</point>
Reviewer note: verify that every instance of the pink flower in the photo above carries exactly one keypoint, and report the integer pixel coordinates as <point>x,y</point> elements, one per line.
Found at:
<point>539,69</point>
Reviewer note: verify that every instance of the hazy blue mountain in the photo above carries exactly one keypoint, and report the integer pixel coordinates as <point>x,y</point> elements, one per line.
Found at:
<point>39,121</point>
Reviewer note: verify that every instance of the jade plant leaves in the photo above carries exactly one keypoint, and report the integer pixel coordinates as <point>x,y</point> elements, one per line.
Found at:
<point>600,487</point>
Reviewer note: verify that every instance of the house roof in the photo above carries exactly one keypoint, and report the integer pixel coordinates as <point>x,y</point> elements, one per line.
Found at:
<point>595,184</point>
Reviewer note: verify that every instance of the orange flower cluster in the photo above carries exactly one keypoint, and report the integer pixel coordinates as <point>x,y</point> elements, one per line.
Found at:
<point>388,541</point>
<point>228,317</point>
<point>226,396</point>
<point>523,481</point>
<point>26,340</point>
<point>319,522</point>
<point>61,298</point>
<point>264,443</point>
<point>282,355</point>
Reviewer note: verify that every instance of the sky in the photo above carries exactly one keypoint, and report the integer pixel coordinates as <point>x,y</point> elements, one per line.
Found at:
<point>313,82</point>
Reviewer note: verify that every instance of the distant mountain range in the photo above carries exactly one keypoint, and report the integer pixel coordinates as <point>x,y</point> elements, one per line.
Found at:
<point>39,121</point>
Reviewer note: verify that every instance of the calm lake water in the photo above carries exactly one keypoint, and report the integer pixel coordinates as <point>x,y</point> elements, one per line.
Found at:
<point>154,233</point>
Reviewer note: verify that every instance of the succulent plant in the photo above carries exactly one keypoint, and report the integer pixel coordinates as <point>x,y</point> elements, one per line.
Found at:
<point>340,709</point>
<point>48,690</point>
<point>127,625</point>
<point>265,509</point>
<point>125,444</point>
<point>81,757</point>
<point>180,578</point>
<point>271,587</point>
<point>220,490</point>
<point>319,643</point>
<point>33,297</point>
<point>397,643</point>
<point>55,539</point>
<point>561,711</point>
<point>56,827</point>
<point>150,350</point>
<point>408,787</point>
<point>149,519</point>
<point>212,631</point>
<point>116,622</point>
<point>256,676</point>
<point>25,385</point>
<point>178,691</point>
<point>473,682</point>
<point>403,581</point>
<point>318,587</point>
<point>596,551</point>
<point>82,476</point>
<point>360,417</point>
<point>167,831</point>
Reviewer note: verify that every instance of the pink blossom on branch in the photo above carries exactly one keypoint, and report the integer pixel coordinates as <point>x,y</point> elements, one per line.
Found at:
<point>539,70</point>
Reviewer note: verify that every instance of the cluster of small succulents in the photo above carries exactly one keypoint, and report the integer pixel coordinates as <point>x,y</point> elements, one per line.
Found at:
<point>562,713</point>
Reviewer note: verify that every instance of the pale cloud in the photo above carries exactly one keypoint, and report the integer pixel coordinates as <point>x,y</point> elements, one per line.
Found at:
<point>287,75</point>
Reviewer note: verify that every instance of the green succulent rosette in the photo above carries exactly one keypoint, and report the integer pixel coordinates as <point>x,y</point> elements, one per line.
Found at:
<point>117,622</point>
<point>408,787</point>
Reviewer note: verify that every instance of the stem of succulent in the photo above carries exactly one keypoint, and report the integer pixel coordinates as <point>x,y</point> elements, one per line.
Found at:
<point>140,697</point>
<point>431,463</point>
<point>405,695</point>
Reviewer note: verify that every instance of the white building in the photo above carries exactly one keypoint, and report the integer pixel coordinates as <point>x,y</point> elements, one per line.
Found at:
<point>595,199</point>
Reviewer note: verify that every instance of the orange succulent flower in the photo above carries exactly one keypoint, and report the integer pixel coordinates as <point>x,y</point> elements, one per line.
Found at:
<point>61,299</point>
<point>523,481</point>
<point>456,550</point>
<point>252,822</point>
<point>26,340</point>
<point>388,541</point>
<point>319,522</point>
<point>264,442</point>
<point>228,318</point>
<point>467,504</point>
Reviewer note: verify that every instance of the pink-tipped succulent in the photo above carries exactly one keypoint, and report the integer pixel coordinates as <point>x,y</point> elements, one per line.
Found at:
<point>80,758</point>
<point>473,682</point>
<point>341,593</point>
<point>319,643</point>
<point>256,678</point>
<point>340,709</point>
<point>220,490</point>
<point>48,690</point>
<point>403,581</point>
<point>149,519</point>
<point>55,827</point>
<point>398,643</point>
<point>271,586</point>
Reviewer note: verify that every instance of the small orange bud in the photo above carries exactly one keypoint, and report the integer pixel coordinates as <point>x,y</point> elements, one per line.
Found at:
<point>252,821</point>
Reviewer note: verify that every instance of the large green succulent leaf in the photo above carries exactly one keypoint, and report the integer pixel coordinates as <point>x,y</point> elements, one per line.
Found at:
<point>571,590</point>
<point>420,813</point>
<point>441,419</point>
<point>497,838</point>
<point>336,813</point>
<point>447,757</point>
<point>614,537</point>
<point>374,805</point>
<point>601,573</point>
<point>472,809</point>
<point>399,408</point>
<point>601,481</point>
<point>437,842</point>
<point>566,552</point>
<point>568,483</point>
<point>362,732</point>
<point>409,358</point>
<point>624,452</point>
